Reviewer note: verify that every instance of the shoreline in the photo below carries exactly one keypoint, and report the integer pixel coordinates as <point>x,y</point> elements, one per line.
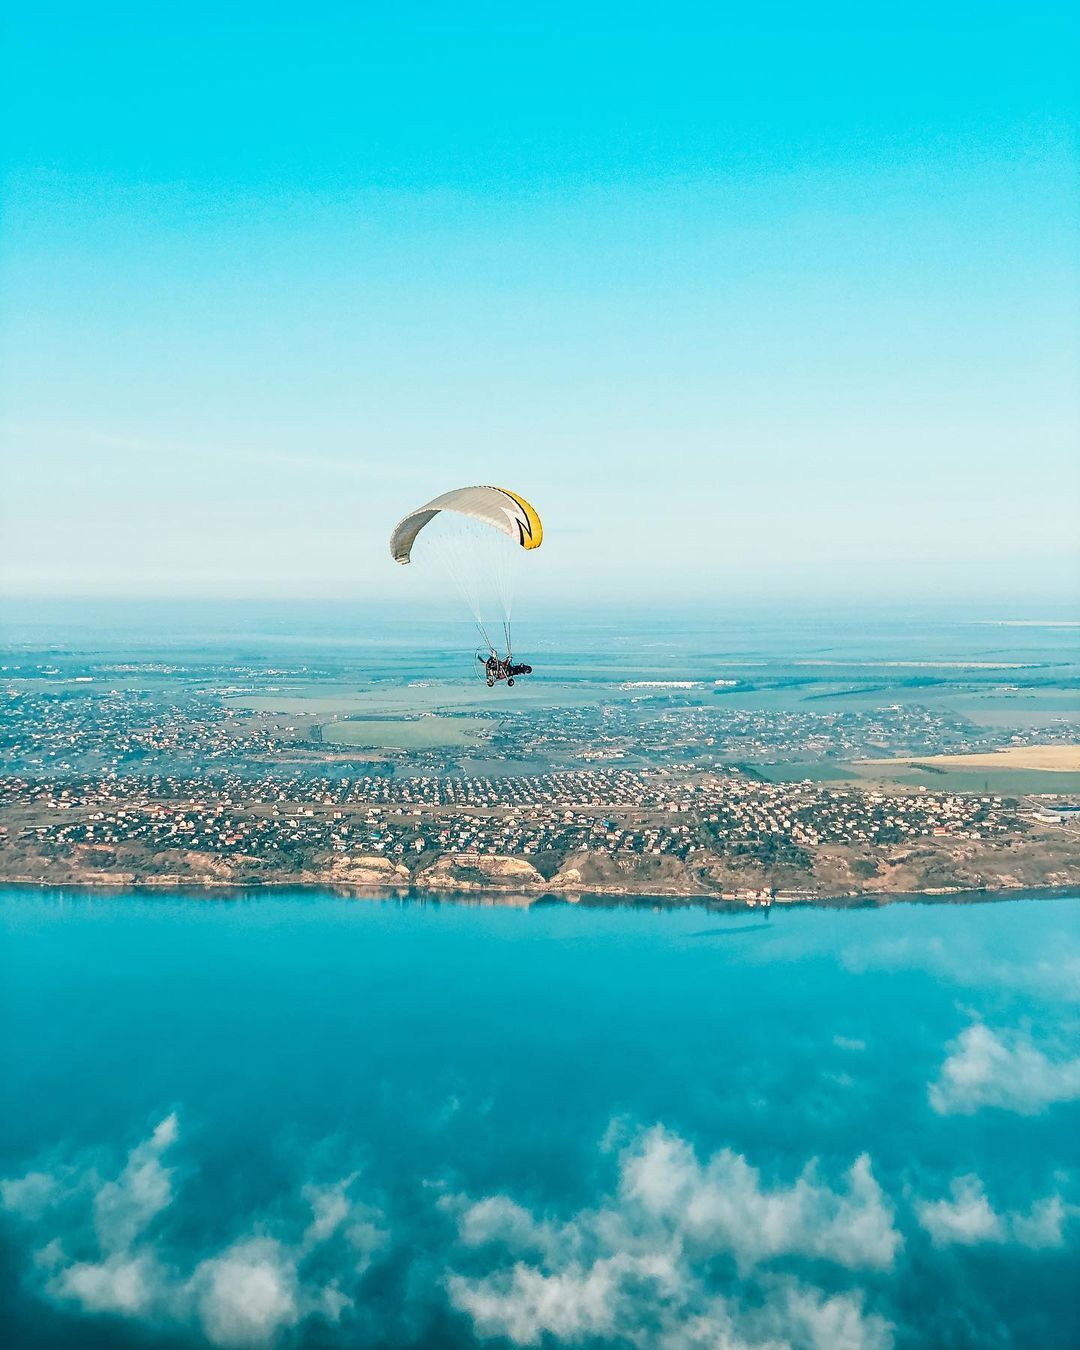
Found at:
<point>591,897</point>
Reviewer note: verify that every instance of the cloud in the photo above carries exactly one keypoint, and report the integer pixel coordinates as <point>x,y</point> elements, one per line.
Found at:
<point>682,1250</point>
<point>1044,1225</point>
<point>1005,1070</point>
<point>641,1267</point>
<point>31,1195</point>
<point>125,1207</point>
<point>1053,975</point>
<point>801,1316</point>
<point>525,1303</point>
<point>118,1278</point>
<point>115,1251</point>
<point>645,1302</point>
<point>248,1294</point>
<point>717,1206</point>
<point>723,1205</point>
<point>130,1285</point>
<point>337,1213</point>
<point>967,1218</point>
<point>498,1219</point>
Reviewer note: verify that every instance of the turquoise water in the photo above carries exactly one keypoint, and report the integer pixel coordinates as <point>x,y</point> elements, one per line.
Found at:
<point>304,1120</point>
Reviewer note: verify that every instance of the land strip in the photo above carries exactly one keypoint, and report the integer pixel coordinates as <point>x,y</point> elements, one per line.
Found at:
<point>604,831</point>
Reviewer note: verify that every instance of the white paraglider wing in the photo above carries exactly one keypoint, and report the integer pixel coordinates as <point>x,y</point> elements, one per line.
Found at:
<point>498,507</point>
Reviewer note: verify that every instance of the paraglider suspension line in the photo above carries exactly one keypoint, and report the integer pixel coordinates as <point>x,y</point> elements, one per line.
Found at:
<point>491,646</point>
<point>487,641</point>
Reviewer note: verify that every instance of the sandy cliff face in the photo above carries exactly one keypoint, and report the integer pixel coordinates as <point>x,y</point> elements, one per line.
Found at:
<point>944,865</point>
<point>1035,858</point>
<point>367,870</point>
<point>489,870</point>
<point>586,871</point>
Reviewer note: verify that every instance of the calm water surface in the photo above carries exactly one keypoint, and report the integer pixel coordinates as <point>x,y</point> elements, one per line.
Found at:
<point>305,1120</point>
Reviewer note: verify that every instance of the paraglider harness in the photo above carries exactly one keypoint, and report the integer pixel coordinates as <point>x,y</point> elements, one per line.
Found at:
<point>495,668</point>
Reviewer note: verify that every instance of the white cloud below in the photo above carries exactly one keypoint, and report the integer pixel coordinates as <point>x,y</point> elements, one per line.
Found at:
<point>985,1068</point>
<point>637,1269</point>
<point>966,1217</point>
<point>109,1255</point>
<point>685,1250</point>
<point>723,1205</point>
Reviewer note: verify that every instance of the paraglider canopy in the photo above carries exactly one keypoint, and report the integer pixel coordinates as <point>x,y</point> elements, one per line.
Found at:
<point>498,507</point>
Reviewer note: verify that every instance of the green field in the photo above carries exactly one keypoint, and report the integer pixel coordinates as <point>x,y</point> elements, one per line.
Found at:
<point>798,771</point>
<point>401,701</point>
<point>420,733</point>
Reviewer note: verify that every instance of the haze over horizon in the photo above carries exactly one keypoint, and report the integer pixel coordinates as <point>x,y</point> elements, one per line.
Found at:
<point>775,303</point>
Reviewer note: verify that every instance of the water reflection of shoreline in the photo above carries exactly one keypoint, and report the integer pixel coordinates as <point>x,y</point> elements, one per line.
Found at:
<point>105,892</point>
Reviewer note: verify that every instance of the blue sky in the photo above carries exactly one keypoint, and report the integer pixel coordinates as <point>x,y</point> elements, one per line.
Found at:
<point>785,295</point>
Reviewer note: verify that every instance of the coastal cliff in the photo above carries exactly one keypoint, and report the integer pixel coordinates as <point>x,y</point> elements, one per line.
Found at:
<point>1038,860</point>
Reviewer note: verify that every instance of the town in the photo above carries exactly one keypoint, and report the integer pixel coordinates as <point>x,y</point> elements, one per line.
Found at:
<point>166,774</point>
<point>727,834</point>
<point>73,729</point>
